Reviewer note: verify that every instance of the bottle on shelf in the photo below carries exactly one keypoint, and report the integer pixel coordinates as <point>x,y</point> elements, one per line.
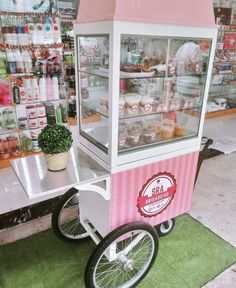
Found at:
<point>56,30</point>
<point>48,36</point>
<point>58,115</point>
<point>20,84</point>
<point>27,62</point>
<point>28,89</point>
<point>3,64</point>
<point>39,32</point>
<point>42,88</point>
<point>49,88</point>
<point>35,89</point>
<point>19,62</point>
<point>31,30</point>
<point>11,61</point>
<point>26,35</point>
<point>20,35</point>
<point>16,93</point>
<point>55,86</point>
<point>64,113</point>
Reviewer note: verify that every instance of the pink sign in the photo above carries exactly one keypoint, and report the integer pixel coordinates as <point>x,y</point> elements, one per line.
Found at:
<point>153,193</point>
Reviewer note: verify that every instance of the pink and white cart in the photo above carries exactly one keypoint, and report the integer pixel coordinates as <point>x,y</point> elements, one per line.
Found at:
<point>143,71</point>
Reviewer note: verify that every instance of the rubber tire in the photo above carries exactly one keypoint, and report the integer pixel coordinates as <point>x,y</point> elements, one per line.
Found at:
<point>160,232</point>
<point>56,214</point>
<point>109,239</point>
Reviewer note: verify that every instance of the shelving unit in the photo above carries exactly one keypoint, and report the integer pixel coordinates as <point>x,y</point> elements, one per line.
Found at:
<point>222,92</point>
<point>32,67</point>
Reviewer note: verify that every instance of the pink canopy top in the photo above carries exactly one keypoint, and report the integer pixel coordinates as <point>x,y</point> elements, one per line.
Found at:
<point>183,12</point>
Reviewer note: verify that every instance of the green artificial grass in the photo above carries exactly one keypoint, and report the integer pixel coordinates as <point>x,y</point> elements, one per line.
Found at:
<point>190,256</point>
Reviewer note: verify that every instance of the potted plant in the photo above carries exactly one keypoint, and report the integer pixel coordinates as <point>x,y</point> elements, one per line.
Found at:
<point>55,141</point>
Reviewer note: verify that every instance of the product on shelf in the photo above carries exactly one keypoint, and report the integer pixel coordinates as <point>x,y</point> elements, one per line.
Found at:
<point>146,104</point>
<point>9,147</point>
<point>133,134</point>
<point>31,29</point>
<point>5,93</point>
<point>179,130</point>
<point>167,129</point>
<point>3,64</point>
<point>132,103</point>
<point>149,134</point>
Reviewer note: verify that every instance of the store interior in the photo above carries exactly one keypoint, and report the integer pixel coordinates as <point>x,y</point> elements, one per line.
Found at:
<point>38,87</point>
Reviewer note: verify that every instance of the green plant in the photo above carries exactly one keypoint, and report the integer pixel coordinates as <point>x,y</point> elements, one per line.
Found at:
<point>55,139</point>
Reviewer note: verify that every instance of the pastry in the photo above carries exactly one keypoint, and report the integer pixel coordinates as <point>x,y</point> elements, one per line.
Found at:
<point>179,130</point>
<point>167,132</point>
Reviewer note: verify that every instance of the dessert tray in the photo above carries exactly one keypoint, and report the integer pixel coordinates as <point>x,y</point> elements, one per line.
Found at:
<point>129,74</point>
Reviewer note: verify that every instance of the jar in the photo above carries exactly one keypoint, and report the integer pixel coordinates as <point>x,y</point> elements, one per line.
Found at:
<point>51,119</point>
<point>22,123</point>
<point>34,133</point>
<point>10,121</point>
<point>40,110</point>
<point>5,149</point>
<point>42,121</point>
<point>14,146</point>
<point>26,143</point>
<point>31,111</point>
<point>36,146</point>
<point>33,123</point>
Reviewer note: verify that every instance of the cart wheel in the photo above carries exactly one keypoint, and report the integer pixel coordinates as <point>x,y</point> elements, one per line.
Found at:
<point>166,227</point>
<point>132,262</point>
<point>66,218</point>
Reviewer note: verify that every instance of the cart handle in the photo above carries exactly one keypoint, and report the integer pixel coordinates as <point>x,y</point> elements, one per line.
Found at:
<point>202,155</point>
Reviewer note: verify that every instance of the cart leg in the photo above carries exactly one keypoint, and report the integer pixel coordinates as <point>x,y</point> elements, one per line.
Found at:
<point>132,250</point>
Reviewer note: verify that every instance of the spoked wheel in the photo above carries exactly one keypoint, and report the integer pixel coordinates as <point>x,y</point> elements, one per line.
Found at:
<point>133,247</point>
<point>66,218</point>
<point>166,227</point>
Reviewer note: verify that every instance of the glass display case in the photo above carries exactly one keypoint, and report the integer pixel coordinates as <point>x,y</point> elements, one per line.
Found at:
<point>138,92</point>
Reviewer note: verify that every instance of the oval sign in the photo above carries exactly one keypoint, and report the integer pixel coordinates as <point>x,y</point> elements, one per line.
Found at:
<point>156,194</point>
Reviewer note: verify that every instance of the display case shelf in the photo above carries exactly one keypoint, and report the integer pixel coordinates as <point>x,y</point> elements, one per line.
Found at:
<point>158,140</point>
<point>10,131</point>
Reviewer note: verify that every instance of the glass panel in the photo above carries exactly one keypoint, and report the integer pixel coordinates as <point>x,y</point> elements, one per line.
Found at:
<point>162,84</point>
<point>94,53</point>
<point>94,88</point>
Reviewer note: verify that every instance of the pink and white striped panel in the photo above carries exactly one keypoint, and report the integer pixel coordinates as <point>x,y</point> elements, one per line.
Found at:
<point>126,186</point>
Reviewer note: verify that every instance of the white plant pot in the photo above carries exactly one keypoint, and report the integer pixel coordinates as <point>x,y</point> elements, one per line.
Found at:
<point>56,162</point>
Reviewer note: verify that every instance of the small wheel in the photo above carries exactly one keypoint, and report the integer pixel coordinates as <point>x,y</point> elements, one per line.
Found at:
<point>66,218</point>
<point>166,227</point>
<point>131,262</point>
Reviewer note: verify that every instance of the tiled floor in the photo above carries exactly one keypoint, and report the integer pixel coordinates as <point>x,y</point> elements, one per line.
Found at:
<point>214,200</point>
